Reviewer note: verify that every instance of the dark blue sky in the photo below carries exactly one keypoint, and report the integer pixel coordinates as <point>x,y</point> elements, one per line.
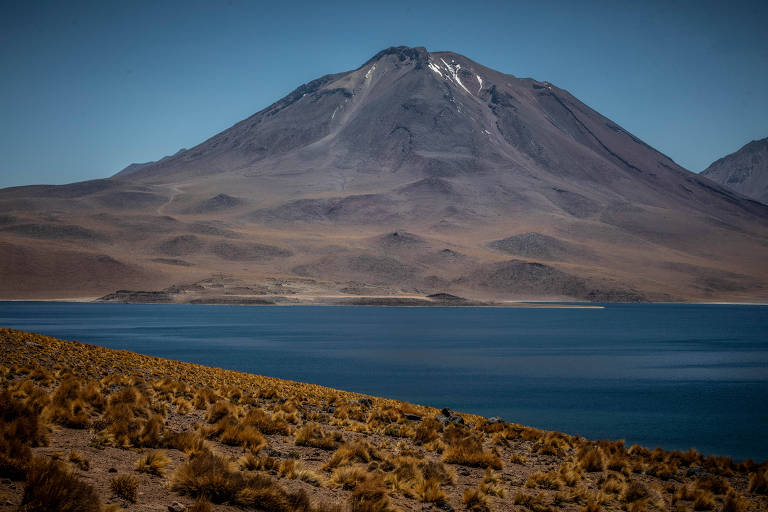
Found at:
<point>89,87</point>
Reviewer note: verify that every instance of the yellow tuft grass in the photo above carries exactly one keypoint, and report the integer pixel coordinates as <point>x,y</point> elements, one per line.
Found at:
<point>153,462</point>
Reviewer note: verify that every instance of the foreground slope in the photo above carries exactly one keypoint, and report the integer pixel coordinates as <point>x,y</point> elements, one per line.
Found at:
<point>745,171</point>
<point>315,192</point>
<point>144,433</point>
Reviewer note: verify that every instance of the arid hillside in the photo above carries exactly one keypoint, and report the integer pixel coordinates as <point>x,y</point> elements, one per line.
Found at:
<point>745,171</point>
<point>417,173</point>
<point>85,428</point>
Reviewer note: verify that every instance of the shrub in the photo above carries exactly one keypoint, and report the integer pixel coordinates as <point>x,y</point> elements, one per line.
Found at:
<point>201,505</point>
<point>125,487</point>
<point>634,491</point>
<point>468,451</point>
<point>705,500</point>
<point>613,484</point>
<point>536,503</point>
<point>592,459</point>
<point>428,430</point>
<point>733,503</point>
<point>518,459</point>
<point>209,476</point>
<point>476,501</point>
<point>715,484</point>
<point>549,480</point>
<point>348,477</point>
<point>569,475</point>
<point>268,424</point>
<point>153,462</point>
<point>758,482</point>
<point>219,410</point>
<point>50,486</point>
<point>20,428</point>
<point>428,490</point>
<point>356,451</point>
<point>313,435</point>
<point>187,442</point>
<point>248,436</point>
<point>436,470</point>
<point>370,496</point>
<point>79,460</point>
<point>251,462</point>
<point>183,406</point>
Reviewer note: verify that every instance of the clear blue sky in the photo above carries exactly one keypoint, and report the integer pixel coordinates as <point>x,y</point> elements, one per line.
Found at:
<point>89,87</point>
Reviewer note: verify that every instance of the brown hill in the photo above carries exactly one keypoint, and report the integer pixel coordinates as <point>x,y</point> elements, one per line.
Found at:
<point>457,157</point>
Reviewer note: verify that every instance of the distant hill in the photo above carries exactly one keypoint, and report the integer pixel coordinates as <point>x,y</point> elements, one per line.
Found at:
<point>745,171</point>
<point>418,173</point>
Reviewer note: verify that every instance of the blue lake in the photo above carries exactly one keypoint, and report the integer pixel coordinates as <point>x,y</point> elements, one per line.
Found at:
<point>670,375</point>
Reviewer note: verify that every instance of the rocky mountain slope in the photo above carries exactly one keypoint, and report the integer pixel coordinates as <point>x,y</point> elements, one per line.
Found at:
<point>745,171</point>
<point>416,173</point>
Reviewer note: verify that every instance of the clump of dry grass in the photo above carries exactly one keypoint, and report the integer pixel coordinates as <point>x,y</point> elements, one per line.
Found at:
<point>212,477</point>
<point>428,490</point>
<point>356,451</point>
<point>348,477</point>
<point>591,459</point>
<point>200,505</point>
<point>219,410</point>
<point>704,500</point>
<point>266,423</point>
<point>546,480</point>
<point>491,484</point>
<point>758,482</point>
<point>153,462</point>
<point>50,486</point>
<point>187,442</point>
<point>569,474</point>
<point>469,451</point>
<point>370,496</point>
<point>67,408</point>
<point>733,503</point>
<point>613,484</point>
<point>234,433</point>
<point>476,500</point>
<point>517,458</point>
<point>550,443</point>
<point>715,484</point>
<point>20,429</point>
<point>429,430</point>
<point>125,487</point>
<point>536,503</point>
<point>183,406</point>
<point>313,435</point>
<point>79,460</point>
<point>252,462</point>
<point>209,476</point>
<point>634,491</point>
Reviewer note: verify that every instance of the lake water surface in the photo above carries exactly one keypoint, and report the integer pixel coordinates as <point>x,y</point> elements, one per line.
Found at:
<point>670,375</point>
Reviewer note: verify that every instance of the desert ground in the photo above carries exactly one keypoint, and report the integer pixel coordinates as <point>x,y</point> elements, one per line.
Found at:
<point>89,428</point>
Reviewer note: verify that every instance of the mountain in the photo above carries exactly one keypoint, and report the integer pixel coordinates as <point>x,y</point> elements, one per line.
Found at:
<point>745,171</point>
<point>418,173</point>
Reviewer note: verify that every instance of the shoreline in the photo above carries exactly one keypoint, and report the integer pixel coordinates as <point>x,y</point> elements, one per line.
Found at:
<point>534,304</point>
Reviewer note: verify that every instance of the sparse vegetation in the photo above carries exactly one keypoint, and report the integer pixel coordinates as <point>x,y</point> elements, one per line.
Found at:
<point>153,462</point>
<point>50,486</point>
<point>125,487</point>
<point>255,442</point>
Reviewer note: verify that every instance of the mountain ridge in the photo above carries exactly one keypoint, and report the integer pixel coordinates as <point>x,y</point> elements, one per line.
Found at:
<point>745,170</point>
<point>436,145</point>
